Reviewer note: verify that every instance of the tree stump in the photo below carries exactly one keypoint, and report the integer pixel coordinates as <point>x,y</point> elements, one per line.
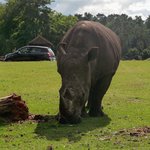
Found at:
<point>13,108</point>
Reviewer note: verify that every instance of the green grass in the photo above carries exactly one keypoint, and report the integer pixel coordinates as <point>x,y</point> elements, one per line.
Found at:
<point>127,105</point>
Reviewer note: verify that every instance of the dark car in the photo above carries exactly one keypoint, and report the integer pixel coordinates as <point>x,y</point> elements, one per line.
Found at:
<point>31,53</point>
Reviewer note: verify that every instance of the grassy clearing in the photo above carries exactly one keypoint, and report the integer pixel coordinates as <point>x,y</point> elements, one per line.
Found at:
<point>127,105</point>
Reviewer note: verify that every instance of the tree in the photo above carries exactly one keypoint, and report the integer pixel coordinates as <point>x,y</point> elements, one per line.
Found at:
<point>133,53</point>
<point>101,18</point>
<point>21,21</point>
<point>86,16</point>
<point>139,21</point>
<point>122,25</point>
<point>146,53</point>
<point>147,22</point>
<point>2,37</point>
<point>24,20</point>
<point>59,26</point>
<point>79,16</point>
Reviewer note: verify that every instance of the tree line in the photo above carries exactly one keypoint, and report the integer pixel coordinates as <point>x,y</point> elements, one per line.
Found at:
<point>134,33</point>
<point>21,21</point>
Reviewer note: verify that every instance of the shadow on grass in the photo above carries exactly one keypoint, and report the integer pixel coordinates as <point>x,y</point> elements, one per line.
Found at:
<point>3,122</point>
<point>52,130</point>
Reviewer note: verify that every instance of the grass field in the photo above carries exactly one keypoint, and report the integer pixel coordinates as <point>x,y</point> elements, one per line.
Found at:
<point>127,105</point>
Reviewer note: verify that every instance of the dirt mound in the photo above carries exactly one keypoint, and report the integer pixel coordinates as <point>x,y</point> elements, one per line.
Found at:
<point>13,108</point>
<point>41,118</point>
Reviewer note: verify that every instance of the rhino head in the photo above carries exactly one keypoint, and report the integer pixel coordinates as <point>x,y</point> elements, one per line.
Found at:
<point>73,66</point>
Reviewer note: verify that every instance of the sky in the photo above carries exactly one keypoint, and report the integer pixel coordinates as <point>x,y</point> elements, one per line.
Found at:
<point>130,7</point>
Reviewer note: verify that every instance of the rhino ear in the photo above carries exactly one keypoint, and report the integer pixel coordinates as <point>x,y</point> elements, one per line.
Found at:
<point>92,53</point>
<point>61,48</point>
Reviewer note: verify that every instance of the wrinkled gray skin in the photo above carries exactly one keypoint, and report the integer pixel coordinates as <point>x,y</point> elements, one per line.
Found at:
<point>87,59</point>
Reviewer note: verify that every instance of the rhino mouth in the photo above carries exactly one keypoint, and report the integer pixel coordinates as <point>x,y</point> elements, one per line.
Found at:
<point>68,120</point>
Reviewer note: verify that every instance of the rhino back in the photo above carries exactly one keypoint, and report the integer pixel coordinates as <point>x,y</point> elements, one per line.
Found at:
<point>85,35</point>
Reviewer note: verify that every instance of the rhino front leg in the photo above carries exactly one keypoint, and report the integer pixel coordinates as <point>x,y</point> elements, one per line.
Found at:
<point>96,95</point>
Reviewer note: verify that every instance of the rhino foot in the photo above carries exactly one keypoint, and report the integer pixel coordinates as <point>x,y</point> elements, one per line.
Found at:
<point>99,113</point>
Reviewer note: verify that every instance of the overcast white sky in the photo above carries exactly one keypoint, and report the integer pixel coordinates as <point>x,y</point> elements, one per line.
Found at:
<point>129,7</point>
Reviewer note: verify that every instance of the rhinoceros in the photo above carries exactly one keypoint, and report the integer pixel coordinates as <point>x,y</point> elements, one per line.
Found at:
<point>87,59</point>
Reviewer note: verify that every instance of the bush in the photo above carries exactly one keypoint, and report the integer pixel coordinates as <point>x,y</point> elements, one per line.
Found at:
<point>146,53</point>
<point>136,54</point>
<point>133,53</point>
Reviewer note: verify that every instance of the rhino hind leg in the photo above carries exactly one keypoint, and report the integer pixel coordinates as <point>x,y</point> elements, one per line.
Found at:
<point>96,95</point>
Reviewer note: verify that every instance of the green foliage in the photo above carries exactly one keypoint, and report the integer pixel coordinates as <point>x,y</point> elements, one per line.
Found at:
<point>59,26</point>
<point>24,20</point>
<point>2,38</point>
<point>134,53</point>
<point>148,22</point>
<point>126,104</point>
<point>134,33</point>
<point>146,53</point>
<point>21,21</point>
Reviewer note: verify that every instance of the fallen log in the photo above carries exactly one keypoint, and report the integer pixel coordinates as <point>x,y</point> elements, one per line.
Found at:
<point>13,108</point>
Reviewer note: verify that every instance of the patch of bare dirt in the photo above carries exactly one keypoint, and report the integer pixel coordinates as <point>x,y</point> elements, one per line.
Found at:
<point>41,118</point>
<point>136,132</point>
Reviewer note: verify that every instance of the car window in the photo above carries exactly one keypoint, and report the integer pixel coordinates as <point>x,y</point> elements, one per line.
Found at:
<point>44,50</point>
<point>24,50</point>
<point>38,50</point>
